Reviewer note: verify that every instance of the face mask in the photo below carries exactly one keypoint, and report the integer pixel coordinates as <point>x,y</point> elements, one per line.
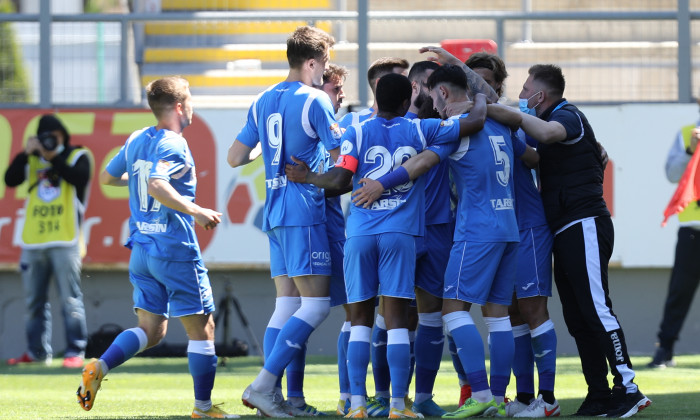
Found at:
<point>522,103</point>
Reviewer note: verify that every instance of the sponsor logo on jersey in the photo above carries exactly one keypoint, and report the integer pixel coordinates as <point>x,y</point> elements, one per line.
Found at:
<point>151,227</point>
<point>346,147</point>
<point>446,123</point>
<point>277,182</point>
<point>502,204</point>
<point>387,204</point>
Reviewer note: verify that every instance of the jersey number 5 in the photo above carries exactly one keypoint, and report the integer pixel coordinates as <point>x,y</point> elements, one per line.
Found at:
<point>501,157</point>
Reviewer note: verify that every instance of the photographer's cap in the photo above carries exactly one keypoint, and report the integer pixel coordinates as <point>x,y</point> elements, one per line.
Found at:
<point>50,122</point>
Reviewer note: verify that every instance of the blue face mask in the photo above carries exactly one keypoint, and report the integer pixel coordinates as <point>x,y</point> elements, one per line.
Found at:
<point>522,103</point>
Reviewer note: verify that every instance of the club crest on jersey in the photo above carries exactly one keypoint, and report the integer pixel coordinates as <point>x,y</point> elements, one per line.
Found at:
<point>163,166</point>
<point>336,131</point>
<point>446,123</point>
<point>346,147</point>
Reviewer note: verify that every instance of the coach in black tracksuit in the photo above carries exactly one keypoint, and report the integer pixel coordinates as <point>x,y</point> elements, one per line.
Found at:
<point>571,171</point>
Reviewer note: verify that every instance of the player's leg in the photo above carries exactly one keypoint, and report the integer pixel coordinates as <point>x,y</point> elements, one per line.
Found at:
<point>428,349</point>
<point>497,320</point>
<point>397,267</point>
<point>468,279</point>
<point>361,283</point>
<point>523,359</point>
<point>151,306</point>
<point>430,279</point>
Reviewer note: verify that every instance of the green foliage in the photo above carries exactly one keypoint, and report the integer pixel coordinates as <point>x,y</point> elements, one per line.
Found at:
<point>162,388</point>
<point>13,78</point>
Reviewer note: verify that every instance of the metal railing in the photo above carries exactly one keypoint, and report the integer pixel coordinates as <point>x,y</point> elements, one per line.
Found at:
<point>682,17</point>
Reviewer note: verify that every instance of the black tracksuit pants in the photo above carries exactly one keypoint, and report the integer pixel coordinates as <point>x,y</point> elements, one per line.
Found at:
<point>581,255</point>
<point>682,286</point>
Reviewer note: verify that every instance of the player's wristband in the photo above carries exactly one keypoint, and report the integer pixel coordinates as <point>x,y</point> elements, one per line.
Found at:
<point>396,177</point>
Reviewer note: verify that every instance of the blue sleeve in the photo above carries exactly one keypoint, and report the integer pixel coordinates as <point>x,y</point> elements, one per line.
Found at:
<point>170,158</point>
<point>519,146</point>
<point>324,123</point>
<point>117,166</point>
<point>249,132</point>
<point>442,136</point>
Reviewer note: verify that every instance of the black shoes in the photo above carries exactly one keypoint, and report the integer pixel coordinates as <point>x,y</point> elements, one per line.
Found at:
<point>662,358</point>
<point>624,405</point>
<point>593,407</point>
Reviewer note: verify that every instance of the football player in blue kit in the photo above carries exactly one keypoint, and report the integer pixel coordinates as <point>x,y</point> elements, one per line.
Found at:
<point>165,268</point>
<point>380,249</point>
<point>533,331</point>
<point>482,262</point>
<point>433,250</point>
<point>292,118</point>
<point>378,405</point>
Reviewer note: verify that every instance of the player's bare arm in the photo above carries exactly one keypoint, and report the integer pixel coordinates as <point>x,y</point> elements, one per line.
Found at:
<point>239,154</point>
<point>335,179</point>
<point>475,82</point>
<point>543,131</point>
<point>107,179</point>
<point>162,191</point>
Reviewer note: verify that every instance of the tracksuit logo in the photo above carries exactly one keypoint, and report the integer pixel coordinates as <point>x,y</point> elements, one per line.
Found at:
<point>617,345</point>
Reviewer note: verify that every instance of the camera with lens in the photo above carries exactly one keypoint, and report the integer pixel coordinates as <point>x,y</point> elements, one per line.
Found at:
<point>48,141</point>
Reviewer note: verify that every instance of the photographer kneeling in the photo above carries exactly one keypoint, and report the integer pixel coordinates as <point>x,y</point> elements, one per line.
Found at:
<point>58,177</point>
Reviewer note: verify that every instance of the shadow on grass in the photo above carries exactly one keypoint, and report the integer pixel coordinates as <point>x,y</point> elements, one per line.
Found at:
<point>248,364</point>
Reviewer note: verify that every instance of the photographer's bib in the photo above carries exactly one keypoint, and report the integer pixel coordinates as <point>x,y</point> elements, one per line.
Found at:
<point>53,208</point>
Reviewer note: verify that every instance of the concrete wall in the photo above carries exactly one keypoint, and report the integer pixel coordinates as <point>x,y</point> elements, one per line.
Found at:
<point>638,296</point>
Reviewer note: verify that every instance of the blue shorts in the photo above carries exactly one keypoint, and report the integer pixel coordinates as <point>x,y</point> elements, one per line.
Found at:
<point>430,267</point>
<point>534,269</point>
<point>337,288</point>
<point>383,264</point>
<point>177,288</point>
<point>299,251</point>
<point>481,272</point>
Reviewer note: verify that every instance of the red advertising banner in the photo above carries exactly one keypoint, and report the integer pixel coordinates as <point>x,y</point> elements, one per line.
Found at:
<point>103,132</point>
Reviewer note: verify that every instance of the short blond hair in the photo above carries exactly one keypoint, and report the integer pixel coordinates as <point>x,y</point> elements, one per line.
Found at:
<point>163,94</point>
<point>305,43</point>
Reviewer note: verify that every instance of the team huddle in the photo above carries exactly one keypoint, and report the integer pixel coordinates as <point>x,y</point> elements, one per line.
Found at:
<point>445,212</point>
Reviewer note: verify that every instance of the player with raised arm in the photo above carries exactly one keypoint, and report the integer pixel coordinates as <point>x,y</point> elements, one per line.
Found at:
<point>380,250</point>
<point>165,268</point>
<point>292,118</point>
<point>482,262</point>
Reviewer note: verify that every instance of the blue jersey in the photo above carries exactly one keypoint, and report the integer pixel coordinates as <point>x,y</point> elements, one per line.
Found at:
<point>355,117</point>
<point>291,119</point>
<point>528,202</point>
<point>437,191</point>
<point>377,147</point>
<point>483,172</point>
<point>163,232</point>
<point>335,219</point>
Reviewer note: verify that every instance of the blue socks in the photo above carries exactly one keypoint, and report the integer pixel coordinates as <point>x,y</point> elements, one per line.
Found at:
<point>544,346</point>
<point>380,366</point>
<point>201,358</point>
<point>428,351</point>
<point>124,347</point>
<point>358,360</point>
<point>343,340</point>
<point>523,361</point>
<point>470,348</point>
<point>398,354</point>
<point>501,336</point>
